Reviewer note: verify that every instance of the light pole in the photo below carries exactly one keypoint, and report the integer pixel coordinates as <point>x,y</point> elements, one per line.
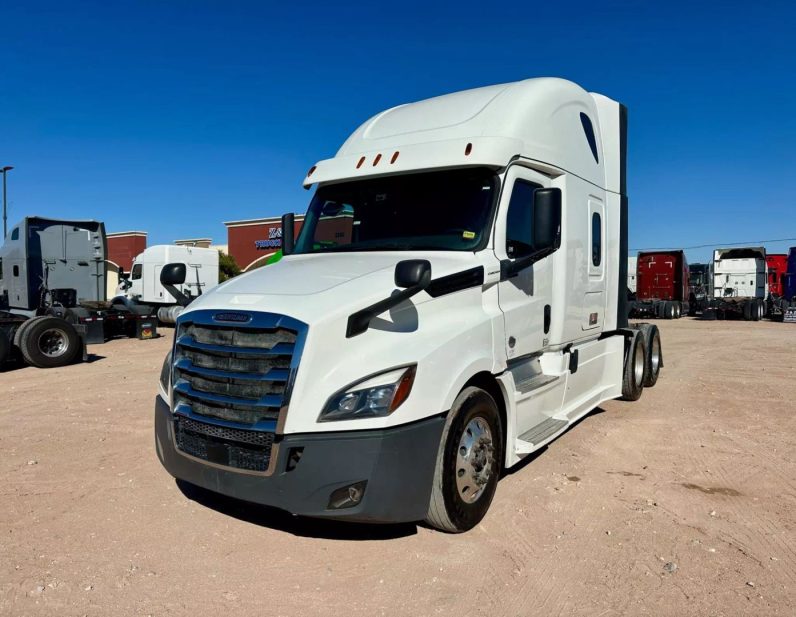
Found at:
<point>5,170</point>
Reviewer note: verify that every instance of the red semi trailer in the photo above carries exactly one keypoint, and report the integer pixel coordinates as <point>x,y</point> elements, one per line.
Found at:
<point>777,267</point>
<point>662,285</point>
<point>776,304</point>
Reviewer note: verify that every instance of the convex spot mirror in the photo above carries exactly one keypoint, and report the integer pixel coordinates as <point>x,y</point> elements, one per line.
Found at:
<point>172,274</point>
<point>412,273</point>
<point>546,219</point>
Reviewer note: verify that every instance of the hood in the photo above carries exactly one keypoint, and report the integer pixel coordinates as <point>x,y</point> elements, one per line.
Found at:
<point>310,286</point>
<point>303,275</point>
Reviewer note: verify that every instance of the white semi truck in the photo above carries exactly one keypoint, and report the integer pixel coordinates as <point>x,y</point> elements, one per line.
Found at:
<point>142,286</point>
<point>455,300</point>
<point>740,284</point>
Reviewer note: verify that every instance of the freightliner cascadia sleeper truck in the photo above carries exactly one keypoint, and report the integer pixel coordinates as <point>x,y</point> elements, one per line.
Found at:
<point>455,300</point>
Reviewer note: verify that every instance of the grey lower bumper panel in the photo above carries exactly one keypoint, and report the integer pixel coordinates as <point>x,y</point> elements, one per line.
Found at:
<point>397,463</point>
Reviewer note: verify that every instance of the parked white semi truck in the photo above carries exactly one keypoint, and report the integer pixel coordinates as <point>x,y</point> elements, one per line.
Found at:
<point>740,284</point>
<point>142,286</point>
<point>455,300</point>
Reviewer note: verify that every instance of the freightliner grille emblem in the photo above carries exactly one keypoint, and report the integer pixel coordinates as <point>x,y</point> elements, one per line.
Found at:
<point>235,317</point>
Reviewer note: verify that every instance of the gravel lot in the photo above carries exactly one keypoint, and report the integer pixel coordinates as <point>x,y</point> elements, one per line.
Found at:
<point>681,504</point>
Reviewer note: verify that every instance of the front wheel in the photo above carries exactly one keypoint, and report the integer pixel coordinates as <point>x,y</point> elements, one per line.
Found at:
<point>469,462</point>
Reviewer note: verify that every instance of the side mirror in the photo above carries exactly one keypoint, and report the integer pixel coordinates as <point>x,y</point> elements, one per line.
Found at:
<point>546,219</point>
<point>546,232</point>
<point>288,241</point>
<point>412,273</point>
<point>172,274</point>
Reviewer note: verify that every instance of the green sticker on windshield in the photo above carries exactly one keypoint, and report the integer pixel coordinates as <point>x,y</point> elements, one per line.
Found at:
<point>468,235</point>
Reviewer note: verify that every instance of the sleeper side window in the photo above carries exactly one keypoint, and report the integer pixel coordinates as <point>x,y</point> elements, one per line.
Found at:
<point>15,234</point>
<point>16,270</point>
<point>519,220</point>
<point>596,239</point>
<point>588,129</point>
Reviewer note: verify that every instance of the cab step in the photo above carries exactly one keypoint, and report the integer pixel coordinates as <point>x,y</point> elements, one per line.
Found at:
<point>529,440</point>
<point>535,382</point>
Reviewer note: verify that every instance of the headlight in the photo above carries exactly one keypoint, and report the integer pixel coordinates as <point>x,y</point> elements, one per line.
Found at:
<point>165,376</point>
<point>374,397</point>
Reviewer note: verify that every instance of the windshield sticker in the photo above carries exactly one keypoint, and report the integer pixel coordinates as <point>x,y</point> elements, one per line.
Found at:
<point>468,235</point>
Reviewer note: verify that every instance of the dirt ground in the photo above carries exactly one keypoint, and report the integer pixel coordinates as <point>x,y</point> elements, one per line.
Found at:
<point>683,503</point>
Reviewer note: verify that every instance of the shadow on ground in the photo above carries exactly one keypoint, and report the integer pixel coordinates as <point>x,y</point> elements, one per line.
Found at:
<point>15,364</point>
<point>273,518</point>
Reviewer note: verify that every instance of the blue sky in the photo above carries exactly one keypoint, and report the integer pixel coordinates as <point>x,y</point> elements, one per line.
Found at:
<point>175,116</point>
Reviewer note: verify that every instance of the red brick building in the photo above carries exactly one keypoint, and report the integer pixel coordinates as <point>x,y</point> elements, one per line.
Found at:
<point>123,246</point>
<point>252,241</point>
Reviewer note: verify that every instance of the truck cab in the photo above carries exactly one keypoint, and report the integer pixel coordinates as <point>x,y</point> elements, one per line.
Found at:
<point>740,282</point>
<point>455,300</point>
<point>143,285</point>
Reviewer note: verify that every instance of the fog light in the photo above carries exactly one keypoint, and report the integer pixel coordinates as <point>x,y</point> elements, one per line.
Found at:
<point>348,496</point>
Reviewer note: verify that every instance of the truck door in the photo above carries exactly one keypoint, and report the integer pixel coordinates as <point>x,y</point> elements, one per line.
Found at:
<point>524,299</point>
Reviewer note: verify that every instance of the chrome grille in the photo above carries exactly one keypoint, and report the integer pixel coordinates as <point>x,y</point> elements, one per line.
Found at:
<point>232,377</point>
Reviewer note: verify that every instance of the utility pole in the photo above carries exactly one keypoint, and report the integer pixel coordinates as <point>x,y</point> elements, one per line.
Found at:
<point>5,170</point>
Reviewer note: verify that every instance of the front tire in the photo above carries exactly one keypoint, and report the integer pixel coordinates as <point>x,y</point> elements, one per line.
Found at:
<point>469,462</point>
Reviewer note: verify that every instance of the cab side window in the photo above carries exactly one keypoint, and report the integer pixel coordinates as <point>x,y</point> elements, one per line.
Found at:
<point>519,220</point>
<point>136,273</point>
<point>596,239</point>
<point>15,234</point>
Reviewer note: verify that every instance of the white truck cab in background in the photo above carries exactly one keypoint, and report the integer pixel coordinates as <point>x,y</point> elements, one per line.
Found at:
<point>740,282</point>
<point>455,300</point>
<point>142,284</point>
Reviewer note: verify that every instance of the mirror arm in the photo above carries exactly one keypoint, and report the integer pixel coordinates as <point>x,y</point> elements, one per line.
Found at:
<point>358,322</point>
<point>511,268</point>
<point>180,297</point>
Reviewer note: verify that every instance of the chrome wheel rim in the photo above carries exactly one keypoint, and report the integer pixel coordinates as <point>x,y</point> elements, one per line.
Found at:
<point>655,358</point>
<point>53,343</point>
<point>474,460</point>
<point>638,364</point>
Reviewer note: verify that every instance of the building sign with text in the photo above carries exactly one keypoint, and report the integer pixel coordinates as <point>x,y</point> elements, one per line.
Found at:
<point>274,240</point>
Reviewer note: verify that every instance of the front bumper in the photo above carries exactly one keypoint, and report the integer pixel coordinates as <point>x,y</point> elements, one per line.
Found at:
<point>397,463</point>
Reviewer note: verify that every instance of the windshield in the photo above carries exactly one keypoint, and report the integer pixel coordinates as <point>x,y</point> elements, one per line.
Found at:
<point>439,211</point>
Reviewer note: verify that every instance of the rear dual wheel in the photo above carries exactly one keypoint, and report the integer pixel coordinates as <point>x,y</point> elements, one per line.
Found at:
<point>48,342</point>
<point>653,359</point>
<point>634,368</point>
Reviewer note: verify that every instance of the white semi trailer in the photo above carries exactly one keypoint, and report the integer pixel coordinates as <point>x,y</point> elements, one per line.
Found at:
<point>740,283</point>
<point>142,286</point>
<point>455,300</point>
<point>632,266</point>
